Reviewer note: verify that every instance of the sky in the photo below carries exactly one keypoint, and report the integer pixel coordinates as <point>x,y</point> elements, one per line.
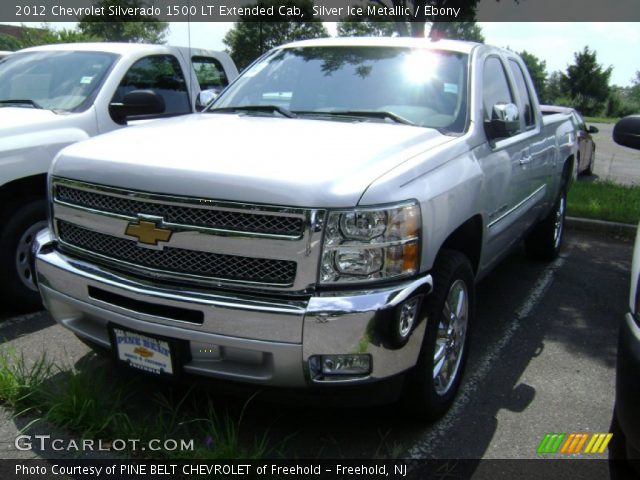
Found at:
<point>616,44</point>
<point>553,42</point>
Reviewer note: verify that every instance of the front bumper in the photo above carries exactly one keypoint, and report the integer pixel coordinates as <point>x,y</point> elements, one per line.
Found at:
<point>628,382</point>
<point>236,336</point>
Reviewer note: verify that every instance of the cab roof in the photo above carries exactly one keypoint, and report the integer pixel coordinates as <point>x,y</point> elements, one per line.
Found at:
<point>407,42</point>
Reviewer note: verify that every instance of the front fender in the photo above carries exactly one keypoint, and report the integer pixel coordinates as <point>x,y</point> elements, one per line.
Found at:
<point>32,153</point>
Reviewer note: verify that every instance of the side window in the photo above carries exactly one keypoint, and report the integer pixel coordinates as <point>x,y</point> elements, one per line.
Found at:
<point>525,106</point>
<point>162,74</point>
<point>209,73</point>
<point>495,87</point>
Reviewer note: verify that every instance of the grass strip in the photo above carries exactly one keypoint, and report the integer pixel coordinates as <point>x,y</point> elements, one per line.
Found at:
<point>20,381</point>
<point>601,119</point>
<point>93,403</point>
<point>604,201</point>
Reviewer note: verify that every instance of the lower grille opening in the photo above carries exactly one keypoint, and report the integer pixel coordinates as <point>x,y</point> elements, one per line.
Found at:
<point>164,311</point>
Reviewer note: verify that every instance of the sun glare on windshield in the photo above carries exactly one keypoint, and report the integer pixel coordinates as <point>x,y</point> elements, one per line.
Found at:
<point>420,66</point>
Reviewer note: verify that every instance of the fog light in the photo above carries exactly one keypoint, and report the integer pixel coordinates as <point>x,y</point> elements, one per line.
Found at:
<point>354,364</point>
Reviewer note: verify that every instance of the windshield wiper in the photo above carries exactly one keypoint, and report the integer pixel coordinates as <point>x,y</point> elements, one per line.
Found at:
<point>255,108</point>
<point>362,113</point>
<point>32,103</point>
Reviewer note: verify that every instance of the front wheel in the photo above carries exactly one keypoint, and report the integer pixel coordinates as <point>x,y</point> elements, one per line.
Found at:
<point>432,385</point>
<point>19,227</point>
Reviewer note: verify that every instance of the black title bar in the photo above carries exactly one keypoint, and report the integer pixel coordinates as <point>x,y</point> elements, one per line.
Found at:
<point>326,10</point>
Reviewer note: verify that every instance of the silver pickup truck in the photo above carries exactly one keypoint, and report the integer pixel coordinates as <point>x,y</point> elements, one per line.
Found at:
<point>321,225</point>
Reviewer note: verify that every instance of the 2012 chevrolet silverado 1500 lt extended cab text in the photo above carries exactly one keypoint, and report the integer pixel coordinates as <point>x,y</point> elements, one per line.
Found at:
<point>322,224</point>
<point>55,95</point>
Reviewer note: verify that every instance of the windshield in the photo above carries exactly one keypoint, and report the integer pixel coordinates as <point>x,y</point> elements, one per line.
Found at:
<point>426,88</point>
<point>60,81</point>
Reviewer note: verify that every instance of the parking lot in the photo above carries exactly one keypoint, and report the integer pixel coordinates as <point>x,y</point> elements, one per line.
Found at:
<point>614,163</point>
<point>542,360</point>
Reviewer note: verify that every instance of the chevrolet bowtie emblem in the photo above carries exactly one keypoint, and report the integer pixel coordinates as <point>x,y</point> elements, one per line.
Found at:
<point>148,232</point>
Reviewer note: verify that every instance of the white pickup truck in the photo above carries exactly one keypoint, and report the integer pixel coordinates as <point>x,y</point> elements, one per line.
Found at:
<point>321,225</point>
<point>55,95</point>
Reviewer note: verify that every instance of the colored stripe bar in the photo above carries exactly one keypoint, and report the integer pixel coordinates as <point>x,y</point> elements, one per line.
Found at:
<point>561,437</point>
<point>555,442</point>
<point>596,446</point>
<point>572,443</point>
<point>582,442</point>
<point>568,444</point>
<point>543,444</point>
<point>594,439</point>
<point>578,442</point>
<point>604,445</point>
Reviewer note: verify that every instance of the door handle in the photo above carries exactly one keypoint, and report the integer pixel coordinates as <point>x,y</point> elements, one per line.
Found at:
<point>525,159</point>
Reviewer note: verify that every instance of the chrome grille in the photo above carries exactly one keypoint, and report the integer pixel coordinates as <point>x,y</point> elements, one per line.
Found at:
<point>184,215</point>
<point>176,260</point>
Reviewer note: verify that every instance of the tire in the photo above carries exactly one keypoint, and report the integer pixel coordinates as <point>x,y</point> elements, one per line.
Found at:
<point>19,225</point>
<point>545,240</point>
<point>431,386</point>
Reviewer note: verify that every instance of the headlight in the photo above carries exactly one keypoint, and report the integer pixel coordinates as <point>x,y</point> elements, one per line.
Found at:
<point>371,244</point>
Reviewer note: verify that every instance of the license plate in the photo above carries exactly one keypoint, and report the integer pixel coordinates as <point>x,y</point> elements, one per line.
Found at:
<point>142,352</point>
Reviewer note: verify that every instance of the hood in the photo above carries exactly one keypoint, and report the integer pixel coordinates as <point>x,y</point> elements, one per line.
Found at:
<point>253,159</point>
<point>19,120</point>
<point>24,129</point>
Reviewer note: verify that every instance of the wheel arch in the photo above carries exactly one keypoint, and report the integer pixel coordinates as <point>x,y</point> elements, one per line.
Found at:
<point>32,186</point>
<point>467,239</point>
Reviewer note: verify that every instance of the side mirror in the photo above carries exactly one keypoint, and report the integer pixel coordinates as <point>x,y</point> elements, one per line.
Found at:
<point>137,103</point>
<point>505,121</point>
<point>205,97</point>
<point>627,132</point>
<point>592,129</point>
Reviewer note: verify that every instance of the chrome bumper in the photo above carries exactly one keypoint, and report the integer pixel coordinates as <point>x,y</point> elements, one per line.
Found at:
<point>242,337</point>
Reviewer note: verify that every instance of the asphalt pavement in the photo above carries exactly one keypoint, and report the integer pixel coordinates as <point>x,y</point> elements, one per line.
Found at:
<point>613,162</point>
<point>542,360</point>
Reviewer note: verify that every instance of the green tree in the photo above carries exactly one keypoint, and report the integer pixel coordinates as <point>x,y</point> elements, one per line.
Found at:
<point>634,91</point>
<point>624,100</point>
<point>615,102</point>
<point>249,38</point>
<point>587,83</point>
<point>73,36</point>
<point>124,28</point>
<point>554,89</point>
<point>410,17</point>
<point>364,28</point>
<point>9,42</point>
<point>538,71</point>
<point>45,35</point>
<point>470,31</point>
